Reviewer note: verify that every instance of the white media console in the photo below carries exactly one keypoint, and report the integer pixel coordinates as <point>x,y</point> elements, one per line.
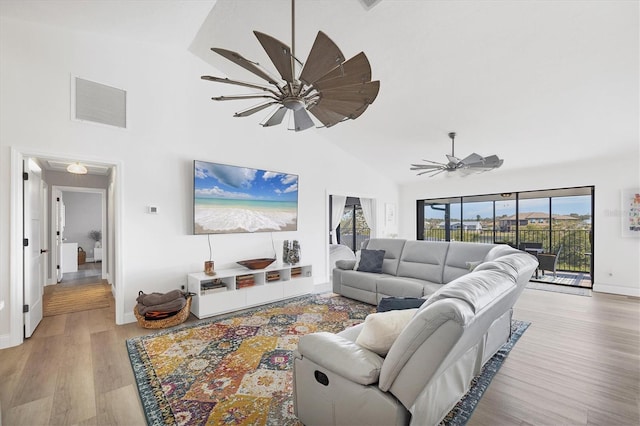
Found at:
<point>238,288</point>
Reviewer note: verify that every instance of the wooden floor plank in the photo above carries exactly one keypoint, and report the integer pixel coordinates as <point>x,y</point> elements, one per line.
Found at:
<point>111,365</point>
<point>32,413</point>
<point>74,398</point>
<point>40,372</point>
<point>120,407</point>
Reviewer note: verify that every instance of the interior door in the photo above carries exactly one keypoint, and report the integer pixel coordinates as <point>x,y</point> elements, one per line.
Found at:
<point>60,215</point>
<point>33,283</point>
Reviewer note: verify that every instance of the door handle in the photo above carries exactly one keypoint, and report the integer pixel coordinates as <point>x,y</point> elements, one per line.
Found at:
<point>44,251</point>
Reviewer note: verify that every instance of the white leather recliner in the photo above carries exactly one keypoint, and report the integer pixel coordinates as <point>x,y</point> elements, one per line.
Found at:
<point>430,365</point>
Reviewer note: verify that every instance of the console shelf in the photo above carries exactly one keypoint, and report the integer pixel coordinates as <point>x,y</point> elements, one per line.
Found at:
<point>238,288</point>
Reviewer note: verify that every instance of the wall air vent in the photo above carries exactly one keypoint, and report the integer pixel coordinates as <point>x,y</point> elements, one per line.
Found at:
<point>100,103</point>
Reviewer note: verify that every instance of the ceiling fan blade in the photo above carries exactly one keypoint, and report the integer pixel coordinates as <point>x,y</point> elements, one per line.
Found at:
<point>237,97</point>
<point>425,166</point>
<point>238,59</point>
<point>247,112</point>
<point>326,117</point>
<point>453,160</point>
<point>237,83</point>
<point>342,107</point>
<point>432,172</point>
<point>355,70</point>
<point>301,120</point>
<point>472,159</point>
<point>359,112</point>
<point>366,92</point>
<point>437,172</point>
<point>435,162</point>
<point>276,117</point>
<point>279,53</point>
<point>493,161</point>
<point>323,57</point>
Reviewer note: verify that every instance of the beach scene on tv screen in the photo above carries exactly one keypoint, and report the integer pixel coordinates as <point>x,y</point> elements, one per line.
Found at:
<point>231,199</point>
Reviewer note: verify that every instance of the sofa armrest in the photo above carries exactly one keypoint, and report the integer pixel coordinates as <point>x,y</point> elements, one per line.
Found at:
<point>345,264</point>
<point>341,356</point>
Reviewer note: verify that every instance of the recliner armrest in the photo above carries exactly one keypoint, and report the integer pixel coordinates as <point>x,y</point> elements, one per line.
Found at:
<point>341,356</point>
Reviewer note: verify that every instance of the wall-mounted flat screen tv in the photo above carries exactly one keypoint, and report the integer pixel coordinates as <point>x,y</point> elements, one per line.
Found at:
<point>231,199</point>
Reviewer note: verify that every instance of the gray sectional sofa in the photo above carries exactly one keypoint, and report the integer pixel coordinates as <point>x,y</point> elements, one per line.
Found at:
<point>412,268</point>
<point>432,352</point>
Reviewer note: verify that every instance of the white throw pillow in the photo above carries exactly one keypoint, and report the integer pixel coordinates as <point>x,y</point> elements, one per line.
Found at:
<point>381,329</point>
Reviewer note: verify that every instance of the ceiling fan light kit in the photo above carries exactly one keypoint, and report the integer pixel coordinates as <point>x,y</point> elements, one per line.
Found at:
<point>329,87</point>
<point>473,163</point>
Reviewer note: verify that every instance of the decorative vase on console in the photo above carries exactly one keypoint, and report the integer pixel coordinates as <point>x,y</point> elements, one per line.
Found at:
<point>285,251</point>
<point>294,252</point>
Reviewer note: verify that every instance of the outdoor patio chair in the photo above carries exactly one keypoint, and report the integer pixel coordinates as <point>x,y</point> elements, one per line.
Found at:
<point>549,261</point>
<point>525,246</point>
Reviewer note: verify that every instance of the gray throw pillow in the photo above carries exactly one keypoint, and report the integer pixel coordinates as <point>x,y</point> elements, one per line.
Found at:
<point>371,261</point>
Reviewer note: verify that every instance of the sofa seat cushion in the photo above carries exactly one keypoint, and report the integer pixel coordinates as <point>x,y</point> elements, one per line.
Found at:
<point>341,356</point>
<point>399,287</point>
<point>361,280</point>
<point>381,329</point>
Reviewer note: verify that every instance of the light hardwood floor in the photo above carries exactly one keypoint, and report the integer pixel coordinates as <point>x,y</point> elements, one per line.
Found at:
<point>577,364</point>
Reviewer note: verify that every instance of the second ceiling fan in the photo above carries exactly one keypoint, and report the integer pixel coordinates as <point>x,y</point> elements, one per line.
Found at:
<point>329,87</point>
<point>470,164</point>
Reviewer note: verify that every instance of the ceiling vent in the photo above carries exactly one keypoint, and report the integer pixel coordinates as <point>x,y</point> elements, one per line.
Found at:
<point>100,103</point>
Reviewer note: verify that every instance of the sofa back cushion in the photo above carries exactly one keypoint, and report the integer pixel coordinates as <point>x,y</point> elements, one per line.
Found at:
<point>478,289</point>
<point>459,257</point>
<point>423,260</point>
<point>518,265</point>
<point>392,249</point>
<point>500,250</point>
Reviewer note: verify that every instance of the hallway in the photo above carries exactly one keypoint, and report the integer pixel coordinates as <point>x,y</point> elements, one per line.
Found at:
<point>78,291</point>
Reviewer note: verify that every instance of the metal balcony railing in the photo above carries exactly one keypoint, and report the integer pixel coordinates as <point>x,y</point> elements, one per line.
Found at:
<point>575,255</point>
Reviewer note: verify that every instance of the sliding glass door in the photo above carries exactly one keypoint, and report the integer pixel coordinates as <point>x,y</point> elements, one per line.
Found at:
<point>554,222</point>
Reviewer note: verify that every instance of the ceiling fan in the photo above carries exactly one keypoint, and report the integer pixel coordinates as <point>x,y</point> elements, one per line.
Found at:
<point>470,164</point>
<point>331,88</point>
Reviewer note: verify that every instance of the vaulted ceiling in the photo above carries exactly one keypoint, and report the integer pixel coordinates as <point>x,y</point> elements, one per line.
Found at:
<point>536,82</point>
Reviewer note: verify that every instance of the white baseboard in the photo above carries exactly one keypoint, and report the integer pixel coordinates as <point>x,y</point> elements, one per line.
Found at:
<point>7,342</point>
<point>617,289</point>
<point>129,318</point>
<point>322,288</point>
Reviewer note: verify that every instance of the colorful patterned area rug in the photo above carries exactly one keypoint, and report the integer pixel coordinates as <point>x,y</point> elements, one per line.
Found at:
<point>237,369</point>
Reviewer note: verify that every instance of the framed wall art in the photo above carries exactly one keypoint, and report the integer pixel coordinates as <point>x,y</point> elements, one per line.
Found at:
<point>631,212</point>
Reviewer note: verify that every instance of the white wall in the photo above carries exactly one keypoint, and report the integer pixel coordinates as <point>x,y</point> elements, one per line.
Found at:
<point>172,122</point>
<point>616,268</point>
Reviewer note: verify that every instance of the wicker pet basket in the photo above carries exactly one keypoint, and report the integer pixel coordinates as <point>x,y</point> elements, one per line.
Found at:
<point>178,318</point>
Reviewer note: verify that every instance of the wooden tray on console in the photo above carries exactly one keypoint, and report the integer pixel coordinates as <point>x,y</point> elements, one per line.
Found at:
<point>257,263</point>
